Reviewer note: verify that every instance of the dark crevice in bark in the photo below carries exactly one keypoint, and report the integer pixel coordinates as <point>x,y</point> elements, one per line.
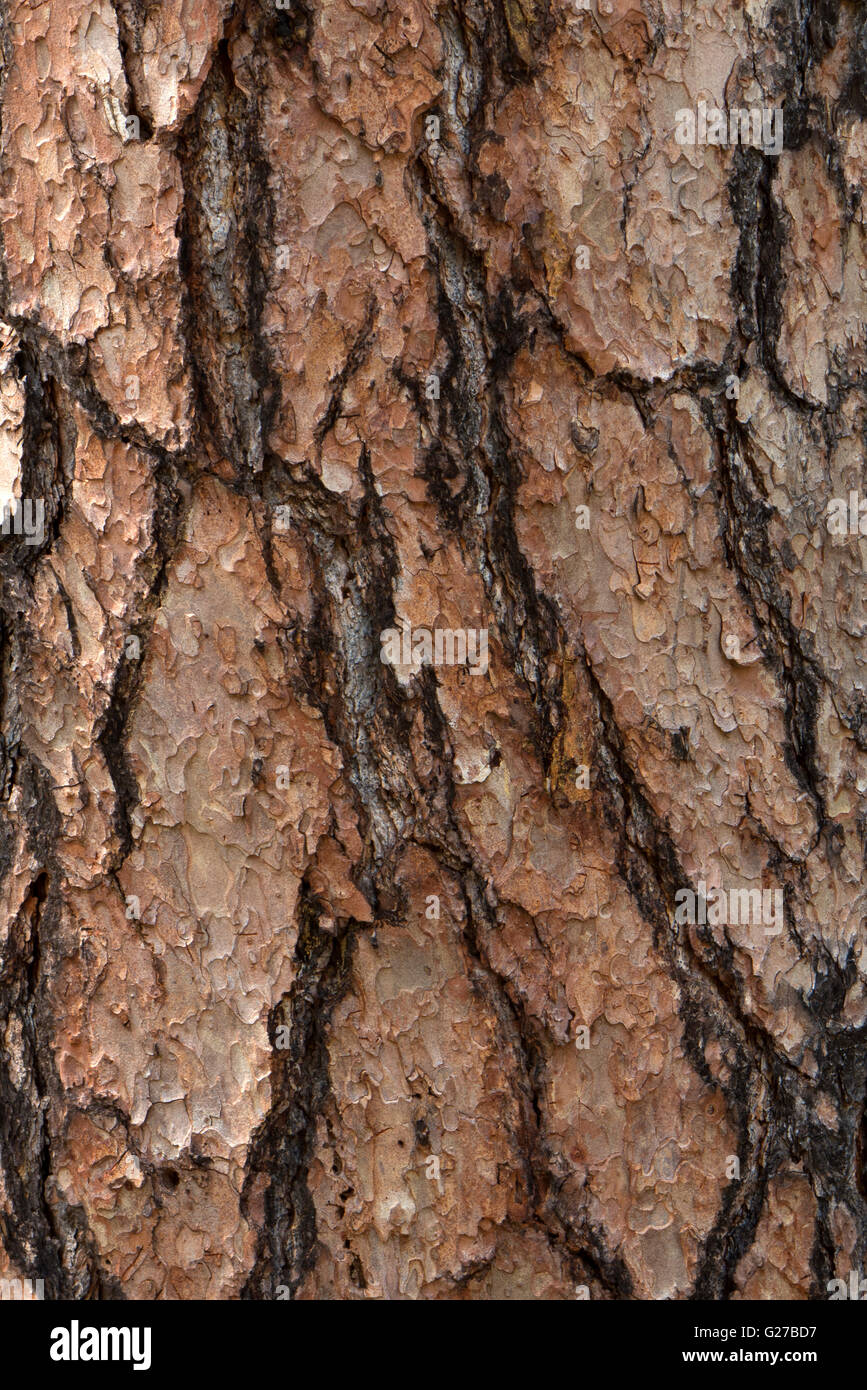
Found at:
<point>823,1255</point>
<point>804,33</point>
<point>458,1282</point>
<point>283,1146</point>
<point>226,230</point>
<point>69,367</point>
<point>129,15</point>
<point>521,1036</point>
<point>648,864</point>
<point>356,357</point>
<point>111,728</point>
<point>854,96</point>
<point>47,467</point>
<point>482,338</point>
<point>787,650</point>
<point>354,565</point>
<point>743,1199</point>
<point>758,277</point>
<point>293,27</point>
<point>30,1237</point>
<point>45,1236</point>
<point>861,1151</point>
<point>8,736</point>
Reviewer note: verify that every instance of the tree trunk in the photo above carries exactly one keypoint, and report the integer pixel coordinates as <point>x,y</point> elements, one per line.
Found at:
<point>433,701</point>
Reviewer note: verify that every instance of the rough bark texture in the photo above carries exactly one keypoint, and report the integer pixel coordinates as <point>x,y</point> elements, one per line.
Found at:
<point>334,976</point>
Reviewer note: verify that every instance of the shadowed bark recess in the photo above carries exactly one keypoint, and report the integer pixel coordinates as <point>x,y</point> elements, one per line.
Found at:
<point>431,695</point>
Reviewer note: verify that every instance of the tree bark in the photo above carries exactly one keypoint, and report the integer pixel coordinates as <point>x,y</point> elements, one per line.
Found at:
<point>433,699</point>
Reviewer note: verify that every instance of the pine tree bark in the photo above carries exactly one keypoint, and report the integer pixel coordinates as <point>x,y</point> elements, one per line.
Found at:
<point>332,967</point>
